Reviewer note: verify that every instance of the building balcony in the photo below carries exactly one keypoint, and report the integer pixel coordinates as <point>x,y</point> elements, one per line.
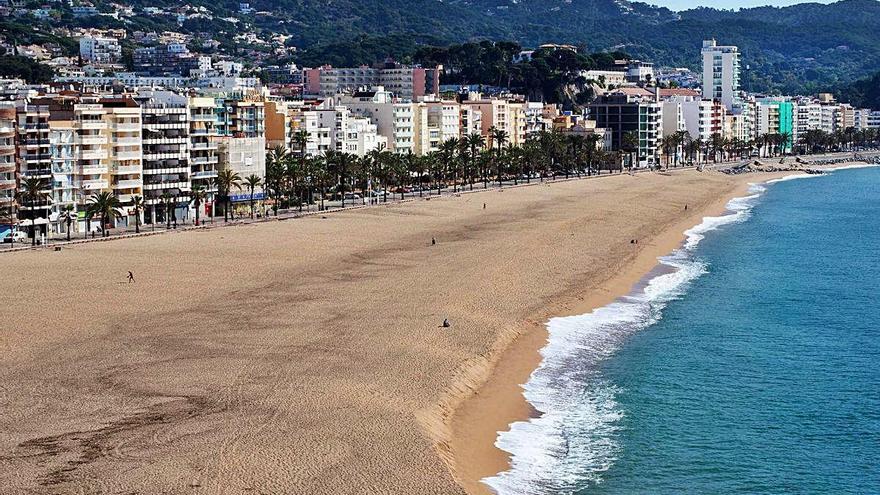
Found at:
<point>6,184</point>
<point>203,146</point>
<point>204,174</point>
<point>127,141</point>
<point>170,125</point>
<point>165,156</point>
<point>206,117</point>
<point>94,170</point>
<point>7,149</point>
<point>94,155</point>
<point>167,185</point>
<point>202,160</point>
<point>127,184</point>
<point>165,140</point>
<point>91,185</point>
<point>7,131</point>
<point>93,126</point>
<point>91,140</point>
<point>127,127</point>
<point>183,169</point>
<point>127,169</point>
<point>129,155</point>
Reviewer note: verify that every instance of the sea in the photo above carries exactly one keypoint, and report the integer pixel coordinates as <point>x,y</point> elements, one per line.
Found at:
<point>747,362</point>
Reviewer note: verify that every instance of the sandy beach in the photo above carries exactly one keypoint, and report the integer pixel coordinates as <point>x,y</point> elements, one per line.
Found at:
<point>306,356</point>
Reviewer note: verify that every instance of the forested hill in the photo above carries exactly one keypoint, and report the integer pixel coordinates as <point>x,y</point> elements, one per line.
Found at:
<point>801,48</point>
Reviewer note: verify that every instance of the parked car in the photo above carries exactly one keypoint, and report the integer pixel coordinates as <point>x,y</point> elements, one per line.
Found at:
<point>17,236</point>
<point>352,196</point>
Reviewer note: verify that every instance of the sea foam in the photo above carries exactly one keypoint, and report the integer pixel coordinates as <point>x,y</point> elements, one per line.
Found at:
<point>572,441</point>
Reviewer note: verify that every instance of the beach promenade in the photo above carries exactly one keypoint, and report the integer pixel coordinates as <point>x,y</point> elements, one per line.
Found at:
<point>307,356</point>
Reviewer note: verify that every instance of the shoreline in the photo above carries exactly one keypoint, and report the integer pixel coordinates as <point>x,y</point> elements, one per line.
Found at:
<point>477,421</point>
<point>309,353</point>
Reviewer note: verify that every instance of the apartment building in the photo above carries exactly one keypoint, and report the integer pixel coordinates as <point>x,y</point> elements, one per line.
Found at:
<point>774,116</point>
<point>394,119</point>
<point>7,162</point>
<point>620,114</point>
<point>501,114</point>
<point>441,122</point>
<point>408,83</point>
<point>865,118</point>
<point>166,158</point>
<point>34,160</point>
<point>721,73</point>
<point>703,118</point>
<point>169,59</point>
<point>204,157</point>
<point>100,50</point>
<point>470,120</point>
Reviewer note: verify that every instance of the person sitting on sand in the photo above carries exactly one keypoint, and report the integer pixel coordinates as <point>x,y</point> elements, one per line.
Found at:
<point>433,241</point>
<point>446,323</point>
<point>130,277</point>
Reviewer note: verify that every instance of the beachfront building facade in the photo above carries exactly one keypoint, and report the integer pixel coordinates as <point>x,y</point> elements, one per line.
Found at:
<point>7,163</point>
<point>34,161</point>
<point>204,157</point>
<point>166,166</point>
<point>634,124</point>
<point>721,73</point>
<point>774,116</point>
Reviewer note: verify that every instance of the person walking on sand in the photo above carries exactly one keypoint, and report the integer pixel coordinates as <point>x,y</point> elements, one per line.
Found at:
<point>685,207</point>
<point>130,277</point>
<point>433,241</point>
<point>484,206</point>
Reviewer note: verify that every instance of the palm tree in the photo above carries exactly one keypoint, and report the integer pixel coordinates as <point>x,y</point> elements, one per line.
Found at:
<point>630,145</point>
<point>68,215</point>
<point>276,162</point>
<point>226,180</point>
<point>33,190</point>
<point>475,142</point>
<point>166,200</point>
<point>198,195</point>
<point>252,182</point>
<point>448,150</point>
<point>107,206</point>
<point>138,203</point>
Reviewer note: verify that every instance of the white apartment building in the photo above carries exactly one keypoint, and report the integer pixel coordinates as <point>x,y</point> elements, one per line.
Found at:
<point>470,120</point>
<point>100,50</point>
<point>703,118</point>
<point>203,155</point>
<point>865,118</point>
<point>441,122</point>
<point>721,72</point>
<point>393,119</point>
<point>7,159</point>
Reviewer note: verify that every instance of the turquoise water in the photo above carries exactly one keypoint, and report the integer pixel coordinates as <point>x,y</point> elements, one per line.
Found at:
<point>750,365</point>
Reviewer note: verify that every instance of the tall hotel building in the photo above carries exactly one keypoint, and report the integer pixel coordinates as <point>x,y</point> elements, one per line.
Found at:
<point>720,73</point>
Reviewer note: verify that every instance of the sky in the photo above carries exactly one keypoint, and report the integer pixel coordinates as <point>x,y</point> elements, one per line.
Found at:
<point>725,4</point>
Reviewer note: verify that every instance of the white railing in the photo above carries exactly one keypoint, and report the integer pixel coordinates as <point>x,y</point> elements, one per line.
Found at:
<point>127,184</point>
<point>127,169</point>
<point>92,170</point>
<point>94,184</point>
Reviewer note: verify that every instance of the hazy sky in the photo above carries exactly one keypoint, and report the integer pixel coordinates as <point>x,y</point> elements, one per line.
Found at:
<point>725,4</point>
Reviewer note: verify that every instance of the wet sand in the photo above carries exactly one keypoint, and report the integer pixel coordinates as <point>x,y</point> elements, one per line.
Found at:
<point>306,356</point>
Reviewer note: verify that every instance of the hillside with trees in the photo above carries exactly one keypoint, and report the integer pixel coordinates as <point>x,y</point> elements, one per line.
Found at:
<point>798,49</point>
